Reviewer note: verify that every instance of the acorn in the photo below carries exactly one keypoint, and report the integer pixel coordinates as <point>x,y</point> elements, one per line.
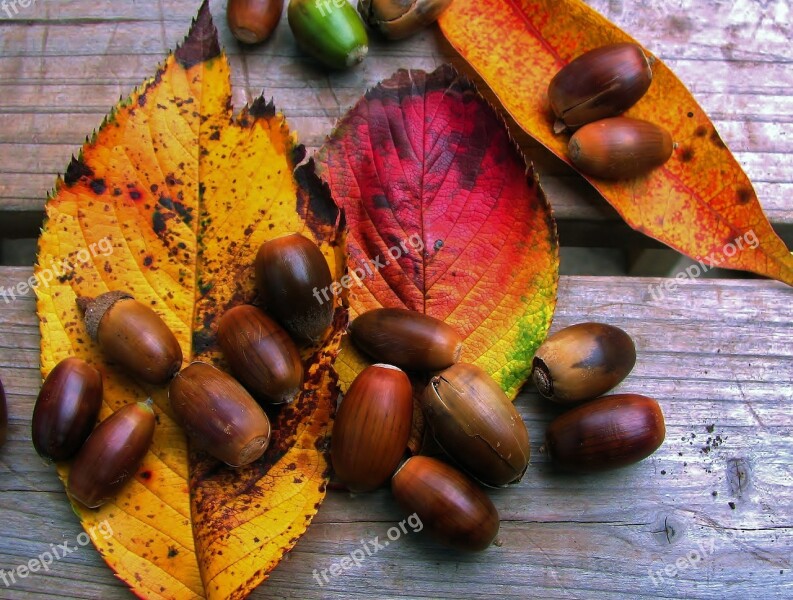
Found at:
<point>112,454</point>
<point>3,416</point>
<point>253,21</point>
<point>474,422</point>
<point>406,338</point>
<point>329,30</point>
<point>261,354</point>
<point>133,335</point>
<point>451,506</point>
<point>372,427</point>
<point>397,19</point>
<point>607,433</point>
<point>619,148</point>
<point>582,362</point>
<point>291,273</point>
<point>219,415</point>
<point>602,83</point>
<point>66,409</point>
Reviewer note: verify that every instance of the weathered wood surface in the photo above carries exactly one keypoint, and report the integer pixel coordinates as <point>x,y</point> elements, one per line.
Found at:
<point>64,63</point>
<point>717,355</point>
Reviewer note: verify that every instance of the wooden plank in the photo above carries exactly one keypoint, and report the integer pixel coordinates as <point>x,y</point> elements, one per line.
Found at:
<point>716,354</point>
<point>63,64</point>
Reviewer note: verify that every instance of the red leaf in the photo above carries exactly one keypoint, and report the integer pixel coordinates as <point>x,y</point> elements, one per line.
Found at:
<point>435,190</point>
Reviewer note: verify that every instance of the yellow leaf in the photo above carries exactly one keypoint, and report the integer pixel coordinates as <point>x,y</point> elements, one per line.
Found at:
<point>170,201</point>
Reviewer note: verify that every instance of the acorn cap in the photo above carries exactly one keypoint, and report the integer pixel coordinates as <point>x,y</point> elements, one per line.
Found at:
<point>94,309</point>
<point>398,19</point>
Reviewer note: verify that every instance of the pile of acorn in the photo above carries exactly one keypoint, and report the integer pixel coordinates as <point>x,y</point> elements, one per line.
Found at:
<point>468,414</point>
<point>475,424</point>
<point>219,414</point>
<point>589,94</point>
<point>331,30</point>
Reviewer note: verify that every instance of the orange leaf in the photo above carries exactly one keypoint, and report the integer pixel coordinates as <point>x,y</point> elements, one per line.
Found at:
<point>170,201</point>
<point>700,203</point>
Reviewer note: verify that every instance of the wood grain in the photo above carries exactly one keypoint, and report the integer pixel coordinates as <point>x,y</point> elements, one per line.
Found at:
<point>64,63</point>
<point>717,356</point>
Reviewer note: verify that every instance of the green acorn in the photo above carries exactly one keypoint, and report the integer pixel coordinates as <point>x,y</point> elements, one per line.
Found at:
<point>330,30</point>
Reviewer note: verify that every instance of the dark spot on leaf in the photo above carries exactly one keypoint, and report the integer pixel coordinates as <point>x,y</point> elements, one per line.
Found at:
<point>98,186</point>
<point>202,341</point>
<point>76,169</point>
<point>135,195</point>
<point>438,244</point>
<point>201,44</point>
<point>686,155</point>
<point>148,260</point>
<point>145,475</point>
<point>142,99</point>
<point>183,212</point>
<point>172,552</point>
<point>204,287</point>
<point>166,202</point>
<point>690,115</point>
<point>262,109</point>
<point>701,131</point>
<point>215,135</point>
<point>716,139</point>
<point>380,201</point>
<point>298,154</point>
<point>158,222</point>
<point>744,195</point>
<point>172,180</point>
<point>314,201</point>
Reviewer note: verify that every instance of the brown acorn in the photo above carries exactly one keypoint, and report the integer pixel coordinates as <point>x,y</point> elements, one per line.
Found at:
<point>372,427</point>
<point>253,21</point>
<point>133,335</point>
<point>291,274</point>
<point>602,83</point>
<point>451,506</point>
<point>112,454</point>
<point>607,433</point>
<point>3,416</point>
<point>66,409</point>
<point>219,415</point>
<point>406,338</point>
<point>474,422</point>
<point>261,354</point>
<point>397,19</point>
<point>582,362</point>
<point>619,148</point>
